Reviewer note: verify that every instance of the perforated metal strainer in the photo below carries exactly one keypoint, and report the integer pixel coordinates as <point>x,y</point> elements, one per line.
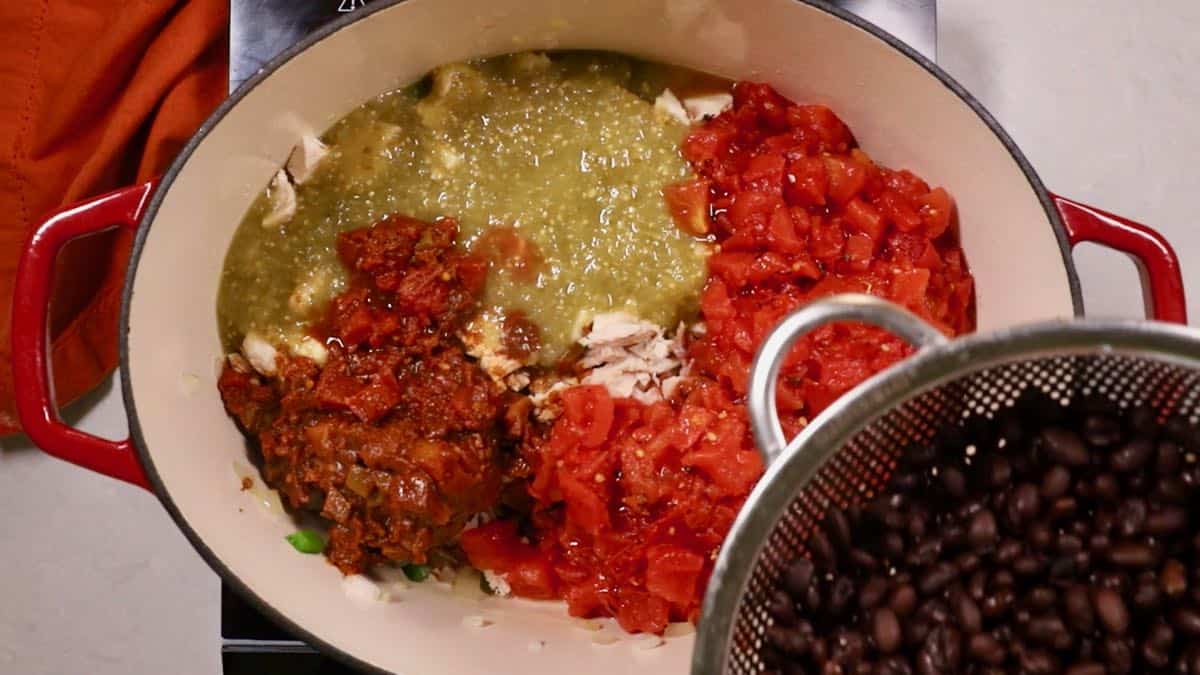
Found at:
<point>847,454</point>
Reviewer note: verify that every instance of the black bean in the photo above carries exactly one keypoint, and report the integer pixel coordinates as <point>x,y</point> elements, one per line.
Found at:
<point>944,649</point>
<point>1156,649</point>
<point>1186,620</point>
<point>1172,489</point>
<point>787,640</point>
<point>1078,608</point>
<point>984,648</point>
<point>863,560</point>
<point>1132,455</point>
<point>1008,551</point>
<point>969,617</point>
<point>1106,487</point>
<point>1131,517</point>
<point>1023,504</point>
<point>1143,420</point>
<point>1039,536</point>
<point>1111,609</point>
<point>1182,431</point>
<point>837,525</point>
<point>1133,554</point>
<point>1101,431</point>
<point>885,627</point>
<point>812,599</point>
<point>925,552</point>
<point>822,550</point>
<point>1063,507</point>
<point>1003,579</point>
<point>1038,662</point>
<point>840,594</point>
<point>1068,544</point>
<point>782,608</point>
<point>1173,579</point>
<point>903,600</point>
<point>1086,668</point>
<point>1119,656</point>
<point>977,585</point>
<point>1064,446</point>
<point>798,576</point>
<point>1168,458</point>
<point>1056,482</point>
<point>966,562</point>
<point>920,454</point>
<point>1049,630</point>
<point>999,471</point>
<point>1147,596</point>
<point>1041,597</point>
<point>917,525</point>
<point>997,604</point>
<point>936,578</point>
<point>872,592</point>
<point>893,544</point>
<point>906,481</point>
<point>1028,565</point>
<point>954,481</point>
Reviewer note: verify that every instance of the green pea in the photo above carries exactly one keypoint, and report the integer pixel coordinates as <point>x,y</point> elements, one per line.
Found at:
<point>416,572</point>
<point>306,541</point>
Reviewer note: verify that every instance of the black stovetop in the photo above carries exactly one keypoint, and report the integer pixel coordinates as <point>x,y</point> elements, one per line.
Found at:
<point>260,29</point>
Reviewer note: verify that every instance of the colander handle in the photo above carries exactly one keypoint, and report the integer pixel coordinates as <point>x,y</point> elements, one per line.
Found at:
<point>764,375</point>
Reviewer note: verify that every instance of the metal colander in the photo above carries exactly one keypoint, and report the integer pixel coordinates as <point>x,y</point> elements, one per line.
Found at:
<point>847,454</point>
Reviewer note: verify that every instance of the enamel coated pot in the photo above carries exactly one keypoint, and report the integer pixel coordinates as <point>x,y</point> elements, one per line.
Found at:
<point>903,109</point>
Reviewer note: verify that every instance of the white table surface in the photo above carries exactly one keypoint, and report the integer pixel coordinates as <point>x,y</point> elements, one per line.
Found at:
<point>1102,95</point>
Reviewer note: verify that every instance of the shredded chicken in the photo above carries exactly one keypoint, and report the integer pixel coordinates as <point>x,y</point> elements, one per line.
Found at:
<point>483,339</point>
<point>282,199</point>
<point>305,157</point>
<point>633,358</point>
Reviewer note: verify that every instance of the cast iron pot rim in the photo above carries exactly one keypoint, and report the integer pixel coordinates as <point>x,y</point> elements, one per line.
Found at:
<point>139,242</point>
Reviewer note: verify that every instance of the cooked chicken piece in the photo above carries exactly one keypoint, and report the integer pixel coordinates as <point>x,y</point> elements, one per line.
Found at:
<point>305,157</point>
<point>632,358</point>
<point>259,353</point>
<point>282,198</point>
<point>484,340</point>
<point>668,104</point>
<point>700,108</point>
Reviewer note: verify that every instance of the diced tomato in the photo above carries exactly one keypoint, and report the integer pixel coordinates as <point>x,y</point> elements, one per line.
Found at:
<point>732,267</point>
<point>495,546</point>
<point>864,218</point>
<point>641,612</point>
<point>784,237</point>
<point>672,573</point>
<point>860,248</point>
<point>937,208</point>
<point>806,182</point>
<point>688,203</point>
<point>846,178</point>
<point>828,240</point>
<point>590,410</point>
<point>585,506</point>
<point>898,211</point>
<point>531,577</point>
<point>909,287</point>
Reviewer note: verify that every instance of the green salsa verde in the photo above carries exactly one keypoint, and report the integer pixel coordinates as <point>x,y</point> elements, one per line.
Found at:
<point>567,152</point>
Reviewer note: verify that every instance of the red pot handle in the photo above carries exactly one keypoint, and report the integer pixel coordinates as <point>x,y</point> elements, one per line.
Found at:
<point>32,381</point>
<point>1162,280</point>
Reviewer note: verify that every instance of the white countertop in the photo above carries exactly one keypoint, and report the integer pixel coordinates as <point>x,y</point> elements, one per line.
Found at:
<point>1102,96</point>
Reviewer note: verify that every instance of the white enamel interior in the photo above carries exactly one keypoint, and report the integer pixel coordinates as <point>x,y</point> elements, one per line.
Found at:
<point>901,114</point>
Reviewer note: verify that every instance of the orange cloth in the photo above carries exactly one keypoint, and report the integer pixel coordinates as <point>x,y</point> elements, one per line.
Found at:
<point>94,95</point>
